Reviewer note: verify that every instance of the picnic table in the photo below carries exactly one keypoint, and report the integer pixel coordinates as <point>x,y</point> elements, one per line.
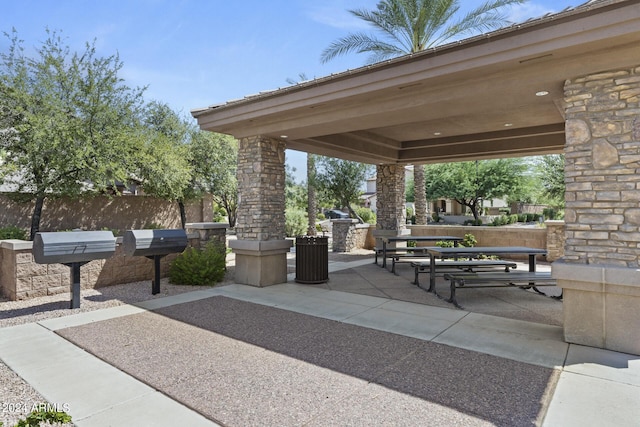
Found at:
<point>410,238</point>
<point>475,252</point>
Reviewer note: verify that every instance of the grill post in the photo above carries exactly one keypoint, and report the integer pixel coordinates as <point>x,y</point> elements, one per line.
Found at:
<point>75,283</point>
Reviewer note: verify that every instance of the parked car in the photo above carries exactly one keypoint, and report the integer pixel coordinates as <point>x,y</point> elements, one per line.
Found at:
<point>335,214</point>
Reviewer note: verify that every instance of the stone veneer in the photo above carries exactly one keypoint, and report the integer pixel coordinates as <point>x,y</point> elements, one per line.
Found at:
<point>261,247</point>
<point>599,272</point>
<point>391,215</point>
<point>556,238</point>
<point>348,235</point>
<point>390,197</point>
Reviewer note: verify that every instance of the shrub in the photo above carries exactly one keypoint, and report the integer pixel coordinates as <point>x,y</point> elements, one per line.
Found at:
<point>409,212</point>
<point>13,232</point>
<point>513,219</point>
<point>197,267</point>
<point>366,214</point>
<point>469,240</point>
<point>296,222</point>
<point>444,244</point>
<point>153,226</point>
<point>45,414</point>
<point>474,222</point>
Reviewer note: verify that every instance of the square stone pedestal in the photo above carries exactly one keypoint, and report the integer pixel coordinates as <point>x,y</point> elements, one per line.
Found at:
<point>601,305</point>
<point>261,263</point>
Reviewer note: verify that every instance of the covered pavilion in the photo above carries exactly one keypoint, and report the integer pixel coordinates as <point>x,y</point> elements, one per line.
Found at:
<point>564,83</point>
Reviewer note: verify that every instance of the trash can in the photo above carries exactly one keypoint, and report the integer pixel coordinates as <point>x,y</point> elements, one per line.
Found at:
<point>312,259</point>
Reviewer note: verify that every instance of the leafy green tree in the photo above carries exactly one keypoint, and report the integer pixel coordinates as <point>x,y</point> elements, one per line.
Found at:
<point>75,123</point>
<point>409,26</point>
<point>469,183</point>
<point>215,162</point>
<point>342,181</point>
<point>164,159</point>
<point>550,174</point>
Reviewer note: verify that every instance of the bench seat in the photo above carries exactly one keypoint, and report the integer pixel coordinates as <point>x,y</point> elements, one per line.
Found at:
<point>391,252</point>
<point>460,266</point>
<point>522,279</point>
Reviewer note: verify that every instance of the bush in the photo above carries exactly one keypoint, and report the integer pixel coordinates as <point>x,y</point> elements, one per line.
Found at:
<point>296,222</point>
<point>474,222</point>
<point>195,267</point>
<point>469,240</point>
<point>513,219</point>
<point>367,215</point>
<point>13,232</point>
<point>153,226</point>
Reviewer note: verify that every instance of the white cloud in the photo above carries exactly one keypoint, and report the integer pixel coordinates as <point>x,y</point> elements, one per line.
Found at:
<point>336,14</point>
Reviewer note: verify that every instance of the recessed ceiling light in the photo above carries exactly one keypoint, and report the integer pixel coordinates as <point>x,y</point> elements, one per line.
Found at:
<point>507,125</point>
<point>437,133</point>
<point>542,93</point>
<point>284,136</point>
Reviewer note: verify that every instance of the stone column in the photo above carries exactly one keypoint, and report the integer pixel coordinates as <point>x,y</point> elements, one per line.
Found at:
<point>261,248</point>
<point>344,234</point>
<point>391,216</point>
<point>556,238</point>
<point>599,272</point>
<point>215,232</point>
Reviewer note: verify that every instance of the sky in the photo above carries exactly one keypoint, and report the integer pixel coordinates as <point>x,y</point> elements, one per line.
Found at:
<point>191,54</point>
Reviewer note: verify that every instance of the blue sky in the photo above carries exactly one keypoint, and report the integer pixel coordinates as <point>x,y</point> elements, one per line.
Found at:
<point>196,53</point>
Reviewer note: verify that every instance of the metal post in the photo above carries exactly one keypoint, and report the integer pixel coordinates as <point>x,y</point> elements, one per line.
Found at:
<point>75,284</point>
<point>155,285</point>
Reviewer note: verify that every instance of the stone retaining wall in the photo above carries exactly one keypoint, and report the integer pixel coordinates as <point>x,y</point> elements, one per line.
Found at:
<point>21,277</point>
<point>349,235</point>
<point>504,236</point>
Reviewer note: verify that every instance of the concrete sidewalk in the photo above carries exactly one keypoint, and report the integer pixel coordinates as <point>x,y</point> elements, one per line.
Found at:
<point>304,355</point>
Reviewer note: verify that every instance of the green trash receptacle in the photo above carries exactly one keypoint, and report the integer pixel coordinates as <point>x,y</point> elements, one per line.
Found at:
<point>312,259</point>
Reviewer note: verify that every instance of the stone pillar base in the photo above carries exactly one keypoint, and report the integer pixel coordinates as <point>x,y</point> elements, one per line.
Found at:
<point>601,305</point>
<point>261,263</point>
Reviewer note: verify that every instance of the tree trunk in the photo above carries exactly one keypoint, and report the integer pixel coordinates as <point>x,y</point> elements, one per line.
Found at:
<point>183,214</point>
<point>312,206</point>
<point>35,218</point>
<point>354,214</point>
<point>420,196</point>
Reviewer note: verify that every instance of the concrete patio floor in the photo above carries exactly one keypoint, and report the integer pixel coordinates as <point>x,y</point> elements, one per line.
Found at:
<point>366,348</point>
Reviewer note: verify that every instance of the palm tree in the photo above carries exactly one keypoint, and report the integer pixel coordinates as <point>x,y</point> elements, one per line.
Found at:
<point>410,26</point>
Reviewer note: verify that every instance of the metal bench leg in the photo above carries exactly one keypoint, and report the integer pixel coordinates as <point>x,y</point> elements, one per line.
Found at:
<point>416,281</point>
<point>452,297</point>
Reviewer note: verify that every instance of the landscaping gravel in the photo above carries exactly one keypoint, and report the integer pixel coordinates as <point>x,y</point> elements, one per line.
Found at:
<point>18,398</point>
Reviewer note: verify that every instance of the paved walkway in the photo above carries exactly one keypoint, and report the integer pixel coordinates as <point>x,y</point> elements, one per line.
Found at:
<point>292,354</point>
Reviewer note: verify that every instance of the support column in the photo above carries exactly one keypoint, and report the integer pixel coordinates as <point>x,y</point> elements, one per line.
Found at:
<point>391,216</point>
<point>261,248</point>
<point>600,269</point>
